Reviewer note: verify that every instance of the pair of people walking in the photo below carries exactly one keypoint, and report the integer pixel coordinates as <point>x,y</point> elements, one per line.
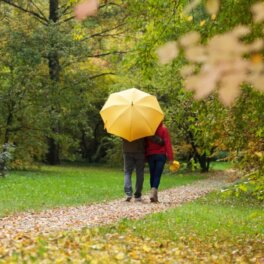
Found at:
<point>156,150</point>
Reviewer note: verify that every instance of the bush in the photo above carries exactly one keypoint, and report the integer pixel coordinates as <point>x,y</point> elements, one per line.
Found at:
<point>5,158</point>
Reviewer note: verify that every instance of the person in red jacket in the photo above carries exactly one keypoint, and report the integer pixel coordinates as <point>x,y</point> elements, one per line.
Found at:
<point>158,151</point>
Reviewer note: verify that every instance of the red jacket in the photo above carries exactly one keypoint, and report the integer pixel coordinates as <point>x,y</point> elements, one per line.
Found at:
<point>154,148</point>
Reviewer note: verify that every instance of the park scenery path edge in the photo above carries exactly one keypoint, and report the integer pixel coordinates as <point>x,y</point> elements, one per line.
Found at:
<point>72,218</point>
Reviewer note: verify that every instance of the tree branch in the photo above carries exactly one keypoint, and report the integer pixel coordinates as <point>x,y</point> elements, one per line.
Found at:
<point>101,74</point>
<point>39,10</point>
<point>39,17</point>
<point>64,11</point>
<point>104,31</point>
<point>107,4</point>
<point>106,54</point>
<point>66,20</point>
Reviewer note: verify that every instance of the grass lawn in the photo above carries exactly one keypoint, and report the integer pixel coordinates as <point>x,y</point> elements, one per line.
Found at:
<point>208,230</point>
<point>208,218</point>
<point>53,186</point>
<point>221,165</point>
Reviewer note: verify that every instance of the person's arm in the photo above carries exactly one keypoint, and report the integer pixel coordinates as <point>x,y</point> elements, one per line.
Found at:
<point>168,145</point>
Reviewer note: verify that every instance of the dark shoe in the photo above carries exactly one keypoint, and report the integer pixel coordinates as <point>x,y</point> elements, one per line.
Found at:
<point>128,199</point>
<point>137,194</point>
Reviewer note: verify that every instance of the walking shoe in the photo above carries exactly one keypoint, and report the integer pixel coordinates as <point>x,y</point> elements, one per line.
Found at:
<point>138,199</point>
<point>128,198</point>
<point>153,195</point>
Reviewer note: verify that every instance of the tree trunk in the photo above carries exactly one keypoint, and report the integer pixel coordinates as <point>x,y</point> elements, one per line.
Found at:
<point>3,161</point>
<point>204,162</point>
<point>53,156</point>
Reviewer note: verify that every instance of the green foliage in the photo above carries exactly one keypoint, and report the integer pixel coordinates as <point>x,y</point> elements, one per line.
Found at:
<point>114,151</point>
<point>205,128</point>
<point>5,158</point>
<point>251,185</point>
<point>245,136</point>
<point>35,105</point>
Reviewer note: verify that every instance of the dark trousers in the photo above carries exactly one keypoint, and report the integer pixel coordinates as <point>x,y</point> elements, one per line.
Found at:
<point>156,165</point>
<point>134,161</point>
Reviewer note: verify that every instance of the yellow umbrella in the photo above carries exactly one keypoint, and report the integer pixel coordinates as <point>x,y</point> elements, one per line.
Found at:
<point>131,114</point>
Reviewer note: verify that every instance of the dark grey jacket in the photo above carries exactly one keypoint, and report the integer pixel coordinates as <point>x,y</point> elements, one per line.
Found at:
<point>136,146</point>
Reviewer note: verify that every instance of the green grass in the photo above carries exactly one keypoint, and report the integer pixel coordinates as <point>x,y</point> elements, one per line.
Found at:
<point>57,186</point>
<point>221,165</point>
<point>206,217</point>
<point>208,230</point>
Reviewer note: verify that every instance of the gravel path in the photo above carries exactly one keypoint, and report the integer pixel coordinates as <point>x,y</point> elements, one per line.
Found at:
<point>105,213</point>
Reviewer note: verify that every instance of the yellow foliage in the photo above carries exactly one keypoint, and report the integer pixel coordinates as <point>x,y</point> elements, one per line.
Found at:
<point>174,166</point>
<point>202,23</point>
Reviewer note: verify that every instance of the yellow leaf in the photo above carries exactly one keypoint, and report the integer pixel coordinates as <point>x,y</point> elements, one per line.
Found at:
<point>213,17</point>
<point>259,154</point>
<point>98,246</point>
<point>202,23</point>
<point>120,256</point>
<point>134,255</point>
<point>256,58</point>
<point>146,248</point>
<point>174,166</point>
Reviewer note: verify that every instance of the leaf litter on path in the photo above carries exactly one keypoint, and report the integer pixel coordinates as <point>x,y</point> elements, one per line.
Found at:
<point>67,218</point>
<point>62,235</point>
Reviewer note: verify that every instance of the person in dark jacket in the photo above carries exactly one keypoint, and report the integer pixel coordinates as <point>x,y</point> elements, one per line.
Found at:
<point>134,158</point>
<point>158,151</point>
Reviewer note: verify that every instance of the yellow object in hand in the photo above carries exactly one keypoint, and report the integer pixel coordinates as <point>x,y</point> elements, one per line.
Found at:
<point>174,166</point>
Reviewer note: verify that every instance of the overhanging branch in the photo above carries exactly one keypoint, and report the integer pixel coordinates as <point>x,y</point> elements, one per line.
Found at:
<point>101,74</point>
<point>39,17</point>
<point>39,10</point>
<point>106,54</point>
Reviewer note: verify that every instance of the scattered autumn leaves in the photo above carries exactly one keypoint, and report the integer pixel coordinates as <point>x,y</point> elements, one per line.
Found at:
<point>224,63</point>
<point>218,65</point>
<point>94,246</point>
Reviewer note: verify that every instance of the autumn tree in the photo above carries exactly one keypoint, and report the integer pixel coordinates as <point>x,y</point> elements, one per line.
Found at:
<point>50,62</point>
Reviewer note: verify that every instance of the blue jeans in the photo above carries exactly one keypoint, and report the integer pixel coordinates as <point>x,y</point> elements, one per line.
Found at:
<point>156,165</point>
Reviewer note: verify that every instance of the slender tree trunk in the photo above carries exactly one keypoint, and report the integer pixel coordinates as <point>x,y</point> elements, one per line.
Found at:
<point>8,124</point>
<point>53,155</point>
<point>6,141</point>
<point>203,160</point>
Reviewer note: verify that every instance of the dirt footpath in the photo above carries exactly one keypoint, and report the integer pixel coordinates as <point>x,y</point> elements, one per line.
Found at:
<point>104,213</point>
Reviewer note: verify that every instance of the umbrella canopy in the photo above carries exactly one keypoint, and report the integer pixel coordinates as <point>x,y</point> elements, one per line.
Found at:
<point>131,114</point>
